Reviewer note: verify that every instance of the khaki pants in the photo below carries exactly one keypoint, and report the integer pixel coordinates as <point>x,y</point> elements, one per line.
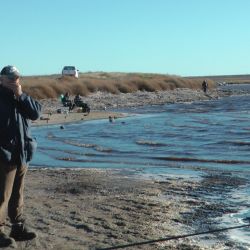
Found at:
<point>11,192</point>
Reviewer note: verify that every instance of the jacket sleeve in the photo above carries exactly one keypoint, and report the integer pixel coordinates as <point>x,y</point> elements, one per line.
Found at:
<point>28,107</point>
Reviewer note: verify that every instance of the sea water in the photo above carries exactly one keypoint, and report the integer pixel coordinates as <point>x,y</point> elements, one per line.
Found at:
<point>182,139</point>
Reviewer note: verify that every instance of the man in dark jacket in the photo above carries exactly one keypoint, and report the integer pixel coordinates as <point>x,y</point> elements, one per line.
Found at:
<point>17,147</point>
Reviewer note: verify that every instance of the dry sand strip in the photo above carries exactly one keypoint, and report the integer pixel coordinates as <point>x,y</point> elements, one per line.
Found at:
<point>54,118</point>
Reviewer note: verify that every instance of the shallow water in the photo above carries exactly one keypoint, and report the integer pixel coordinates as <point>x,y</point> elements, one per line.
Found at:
<point>212,134</point>
<point>183,139</point>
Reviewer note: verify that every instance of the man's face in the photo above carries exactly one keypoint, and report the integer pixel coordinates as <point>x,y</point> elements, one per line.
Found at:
<point>9,79</point>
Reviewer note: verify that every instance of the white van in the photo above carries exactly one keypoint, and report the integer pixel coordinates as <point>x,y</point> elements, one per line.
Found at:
<point>70,71</point>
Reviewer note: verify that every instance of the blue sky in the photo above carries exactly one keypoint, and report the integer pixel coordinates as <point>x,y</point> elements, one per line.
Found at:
<point>181,37</point>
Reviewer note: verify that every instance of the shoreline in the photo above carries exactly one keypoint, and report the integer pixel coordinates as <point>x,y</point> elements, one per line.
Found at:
<point>103,105</point>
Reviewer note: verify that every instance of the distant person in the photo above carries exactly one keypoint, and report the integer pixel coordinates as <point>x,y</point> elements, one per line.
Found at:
<point>65,98</point>
<point>77,99</point>
<point>111,119</point>
<point>67,102</point>
<point>79,103</point>
<point>204,86</point>
<point>17,148</point>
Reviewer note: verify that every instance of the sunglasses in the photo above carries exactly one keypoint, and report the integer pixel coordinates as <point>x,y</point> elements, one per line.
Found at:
<point>13,77</point>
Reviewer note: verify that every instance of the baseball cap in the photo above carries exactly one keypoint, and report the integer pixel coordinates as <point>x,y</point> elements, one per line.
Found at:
<point>10,71</point>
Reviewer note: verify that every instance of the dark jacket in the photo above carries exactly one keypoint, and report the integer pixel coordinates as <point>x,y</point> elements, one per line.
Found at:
<point>16,144</point>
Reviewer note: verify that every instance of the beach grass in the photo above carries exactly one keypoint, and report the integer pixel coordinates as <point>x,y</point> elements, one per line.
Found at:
<point>52,86</point>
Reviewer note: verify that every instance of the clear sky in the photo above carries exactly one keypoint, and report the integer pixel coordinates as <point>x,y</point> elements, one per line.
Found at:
<point>181,37</point>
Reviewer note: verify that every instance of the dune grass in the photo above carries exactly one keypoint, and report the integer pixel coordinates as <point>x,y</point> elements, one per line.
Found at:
<point>42,87</point>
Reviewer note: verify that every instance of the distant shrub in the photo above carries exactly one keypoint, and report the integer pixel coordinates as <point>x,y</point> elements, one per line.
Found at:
<point>123,88</point>
<point>145,86</point>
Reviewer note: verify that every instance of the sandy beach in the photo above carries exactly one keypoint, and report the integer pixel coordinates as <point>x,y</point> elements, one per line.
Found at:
<point>95,209</point>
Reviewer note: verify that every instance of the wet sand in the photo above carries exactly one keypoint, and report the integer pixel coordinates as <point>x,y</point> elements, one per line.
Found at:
<point>94,209</point>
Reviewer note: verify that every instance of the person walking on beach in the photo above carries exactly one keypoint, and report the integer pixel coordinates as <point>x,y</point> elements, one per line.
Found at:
<point>16,150</point>
<point>204,86</point>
